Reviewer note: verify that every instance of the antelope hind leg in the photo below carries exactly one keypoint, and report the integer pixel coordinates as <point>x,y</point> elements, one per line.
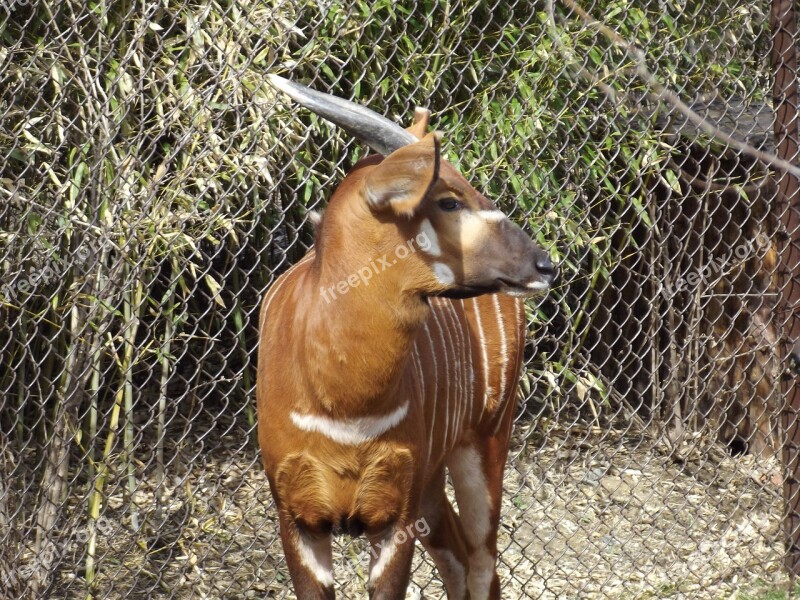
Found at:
<point>477,472</point>
<point>444,539</point>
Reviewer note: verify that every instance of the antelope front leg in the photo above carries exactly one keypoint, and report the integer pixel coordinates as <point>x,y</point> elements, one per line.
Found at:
<point>309,559</point>
<point>390,564</point>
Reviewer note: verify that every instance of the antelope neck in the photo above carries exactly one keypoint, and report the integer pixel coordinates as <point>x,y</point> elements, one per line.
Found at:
<point>365,330</point>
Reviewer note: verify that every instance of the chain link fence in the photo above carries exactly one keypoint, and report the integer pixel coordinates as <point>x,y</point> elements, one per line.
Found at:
<point>152,186</point>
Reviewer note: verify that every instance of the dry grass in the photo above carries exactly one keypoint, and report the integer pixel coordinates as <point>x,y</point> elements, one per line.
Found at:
<point>588,514</point>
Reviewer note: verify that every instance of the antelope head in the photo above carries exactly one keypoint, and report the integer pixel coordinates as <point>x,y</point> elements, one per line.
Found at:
<point>466,246</point>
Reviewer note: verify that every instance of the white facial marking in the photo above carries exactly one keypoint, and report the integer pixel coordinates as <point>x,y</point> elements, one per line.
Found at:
<point>444,273</point>
<point>517,293</point>
<point>538,285</point>
<point>491,216</point>
<point>388,549</point>
<point>471,227</point>
<point>351,431</point>
<point>429,232</point>
<point>316,556</point>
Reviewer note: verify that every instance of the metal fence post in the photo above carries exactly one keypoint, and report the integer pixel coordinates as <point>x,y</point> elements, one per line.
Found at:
<point>785,97</point>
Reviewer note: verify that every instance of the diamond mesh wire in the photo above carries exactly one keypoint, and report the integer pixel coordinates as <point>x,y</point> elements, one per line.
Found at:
<point>152,187</point>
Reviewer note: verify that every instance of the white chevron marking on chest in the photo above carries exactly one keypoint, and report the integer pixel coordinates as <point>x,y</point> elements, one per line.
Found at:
<point>351,431</point>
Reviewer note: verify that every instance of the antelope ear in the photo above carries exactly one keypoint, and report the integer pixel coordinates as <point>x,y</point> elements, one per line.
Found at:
<point>420,125</point>
<point>403,178</point>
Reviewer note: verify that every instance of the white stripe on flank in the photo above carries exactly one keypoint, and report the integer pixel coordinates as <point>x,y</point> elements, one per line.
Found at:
<point>470,365</point>
<point>435,395</point>
<point>447,379</point>
<point>452,373</point>
<point>273,291</point>
<point>487,390</point>
<point>421,391</point>
<point>492,216</point>
<point>512,402</point>
<point>519,316</point>
<point>420,373</point>
<point>316,556</point>
<point>417,365</point>
<point>510,405</point>
<point>452,333</point>
<point>463,351</point>
<point>429,232</point>
<point>462,371</point>
<point>351,431</point>
<point>503,348</point>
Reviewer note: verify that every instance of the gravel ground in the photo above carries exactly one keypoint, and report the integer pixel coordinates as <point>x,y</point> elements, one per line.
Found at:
<point>589,514</point>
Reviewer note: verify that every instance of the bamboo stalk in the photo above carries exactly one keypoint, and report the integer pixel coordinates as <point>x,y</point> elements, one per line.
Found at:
<point>8,573</point>
<point>132,305</point>
<point>122,398</point>
<point>57,461</point>
<point>162,397</point>
<point>238,322</point>
<point>94,499</point>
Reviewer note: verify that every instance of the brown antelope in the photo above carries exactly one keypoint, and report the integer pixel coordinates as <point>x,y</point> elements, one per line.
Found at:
<point>369,386</point>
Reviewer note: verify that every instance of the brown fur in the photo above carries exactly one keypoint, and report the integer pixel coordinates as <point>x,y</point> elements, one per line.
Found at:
<point>378,345</point>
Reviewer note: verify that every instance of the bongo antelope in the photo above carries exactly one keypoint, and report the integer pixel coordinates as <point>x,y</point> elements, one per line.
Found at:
<point>369,386</point>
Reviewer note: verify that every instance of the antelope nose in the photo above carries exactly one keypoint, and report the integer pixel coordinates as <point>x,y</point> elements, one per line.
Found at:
<point>546,267</point>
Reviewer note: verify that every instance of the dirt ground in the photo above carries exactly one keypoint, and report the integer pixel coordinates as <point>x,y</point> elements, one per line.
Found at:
<point>592,514</point>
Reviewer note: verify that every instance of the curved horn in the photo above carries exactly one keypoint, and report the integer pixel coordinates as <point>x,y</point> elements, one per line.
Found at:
<point>376,131</point>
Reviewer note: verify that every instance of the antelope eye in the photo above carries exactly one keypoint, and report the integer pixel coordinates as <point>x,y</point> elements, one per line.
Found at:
<point>450,204</point>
